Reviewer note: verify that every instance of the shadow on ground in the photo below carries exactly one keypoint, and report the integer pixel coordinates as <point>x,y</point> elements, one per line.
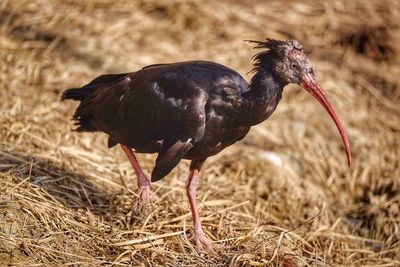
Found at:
<point>67,187</point>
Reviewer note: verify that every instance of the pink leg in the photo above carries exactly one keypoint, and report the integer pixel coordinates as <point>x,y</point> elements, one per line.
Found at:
<point>143,182</point>
<point>191,185</point>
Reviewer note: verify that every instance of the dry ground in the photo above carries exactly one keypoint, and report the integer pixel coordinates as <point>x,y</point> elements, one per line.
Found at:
<point>284,196</point>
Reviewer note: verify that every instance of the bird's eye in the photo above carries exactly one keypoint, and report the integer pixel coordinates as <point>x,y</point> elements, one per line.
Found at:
<point>294,65</point>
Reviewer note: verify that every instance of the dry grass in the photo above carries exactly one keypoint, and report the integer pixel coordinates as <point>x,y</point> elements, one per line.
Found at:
<point>282,197</point>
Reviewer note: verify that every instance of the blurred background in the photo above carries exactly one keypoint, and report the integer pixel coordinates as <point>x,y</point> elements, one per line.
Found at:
<point>283,196</point>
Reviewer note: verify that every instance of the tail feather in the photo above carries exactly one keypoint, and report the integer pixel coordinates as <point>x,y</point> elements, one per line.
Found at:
<point>83,119</point>
<point>75,94</point>
<point>84,91</point>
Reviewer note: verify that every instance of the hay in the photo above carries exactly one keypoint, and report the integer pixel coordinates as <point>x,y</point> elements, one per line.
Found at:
<point>287,200</point>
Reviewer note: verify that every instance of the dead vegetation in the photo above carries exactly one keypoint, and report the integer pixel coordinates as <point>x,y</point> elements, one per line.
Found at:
<point>282,197</point>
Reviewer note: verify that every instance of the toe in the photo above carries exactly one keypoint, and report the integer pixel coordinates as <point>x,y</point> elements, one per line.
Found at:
<point>143,197</point>
<point>144,194</point>
<point>204,243</point>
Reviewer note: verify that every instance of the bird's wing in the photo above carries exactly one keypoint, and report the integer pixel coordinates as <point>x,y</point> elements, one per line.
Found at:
<point>181,101</point>
<point>155,105</point>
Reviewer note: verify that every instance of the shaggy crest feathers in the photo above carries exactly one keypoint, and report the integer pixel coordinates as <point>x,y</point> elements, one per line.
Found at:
<point>275,49</point>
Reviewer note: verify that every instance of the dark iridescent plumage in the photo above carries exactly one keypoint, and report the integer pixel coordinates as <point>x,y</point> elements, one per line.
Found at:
<point>189,110</point>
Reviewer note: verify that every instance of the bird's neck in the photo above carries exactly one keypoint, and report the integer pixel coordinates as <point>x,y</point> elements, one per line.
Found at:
<point>264,95</point>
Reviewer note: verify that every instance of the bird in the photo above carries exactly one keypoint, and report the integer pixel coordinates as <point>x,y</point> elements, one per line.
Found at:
<point>192,110</point>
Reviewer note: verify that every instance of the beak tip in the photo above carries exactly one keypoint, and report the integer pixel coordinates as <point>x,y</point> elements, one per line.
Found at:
<point>349,159</point>
<point>348,151</point>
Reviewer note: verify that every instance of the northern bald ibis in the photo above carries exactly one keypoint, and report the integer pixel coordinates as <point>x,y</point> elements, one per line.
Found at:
<point>192,110</point>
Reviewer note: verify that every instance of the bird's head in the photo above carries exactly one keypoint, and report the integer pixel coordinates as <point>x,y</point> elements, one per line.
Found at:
<point>287,61</point>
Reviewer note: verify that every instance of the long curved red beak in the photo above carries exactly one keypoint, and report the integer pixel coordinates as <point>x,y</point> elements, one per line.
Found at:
<point>311,85</point>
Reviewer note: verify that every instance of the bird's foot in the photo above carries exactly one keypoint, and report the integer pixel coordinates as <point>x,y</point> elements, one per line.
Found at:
<point>142,199</point>
<point>202,242</point>
<point>144,193</point>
